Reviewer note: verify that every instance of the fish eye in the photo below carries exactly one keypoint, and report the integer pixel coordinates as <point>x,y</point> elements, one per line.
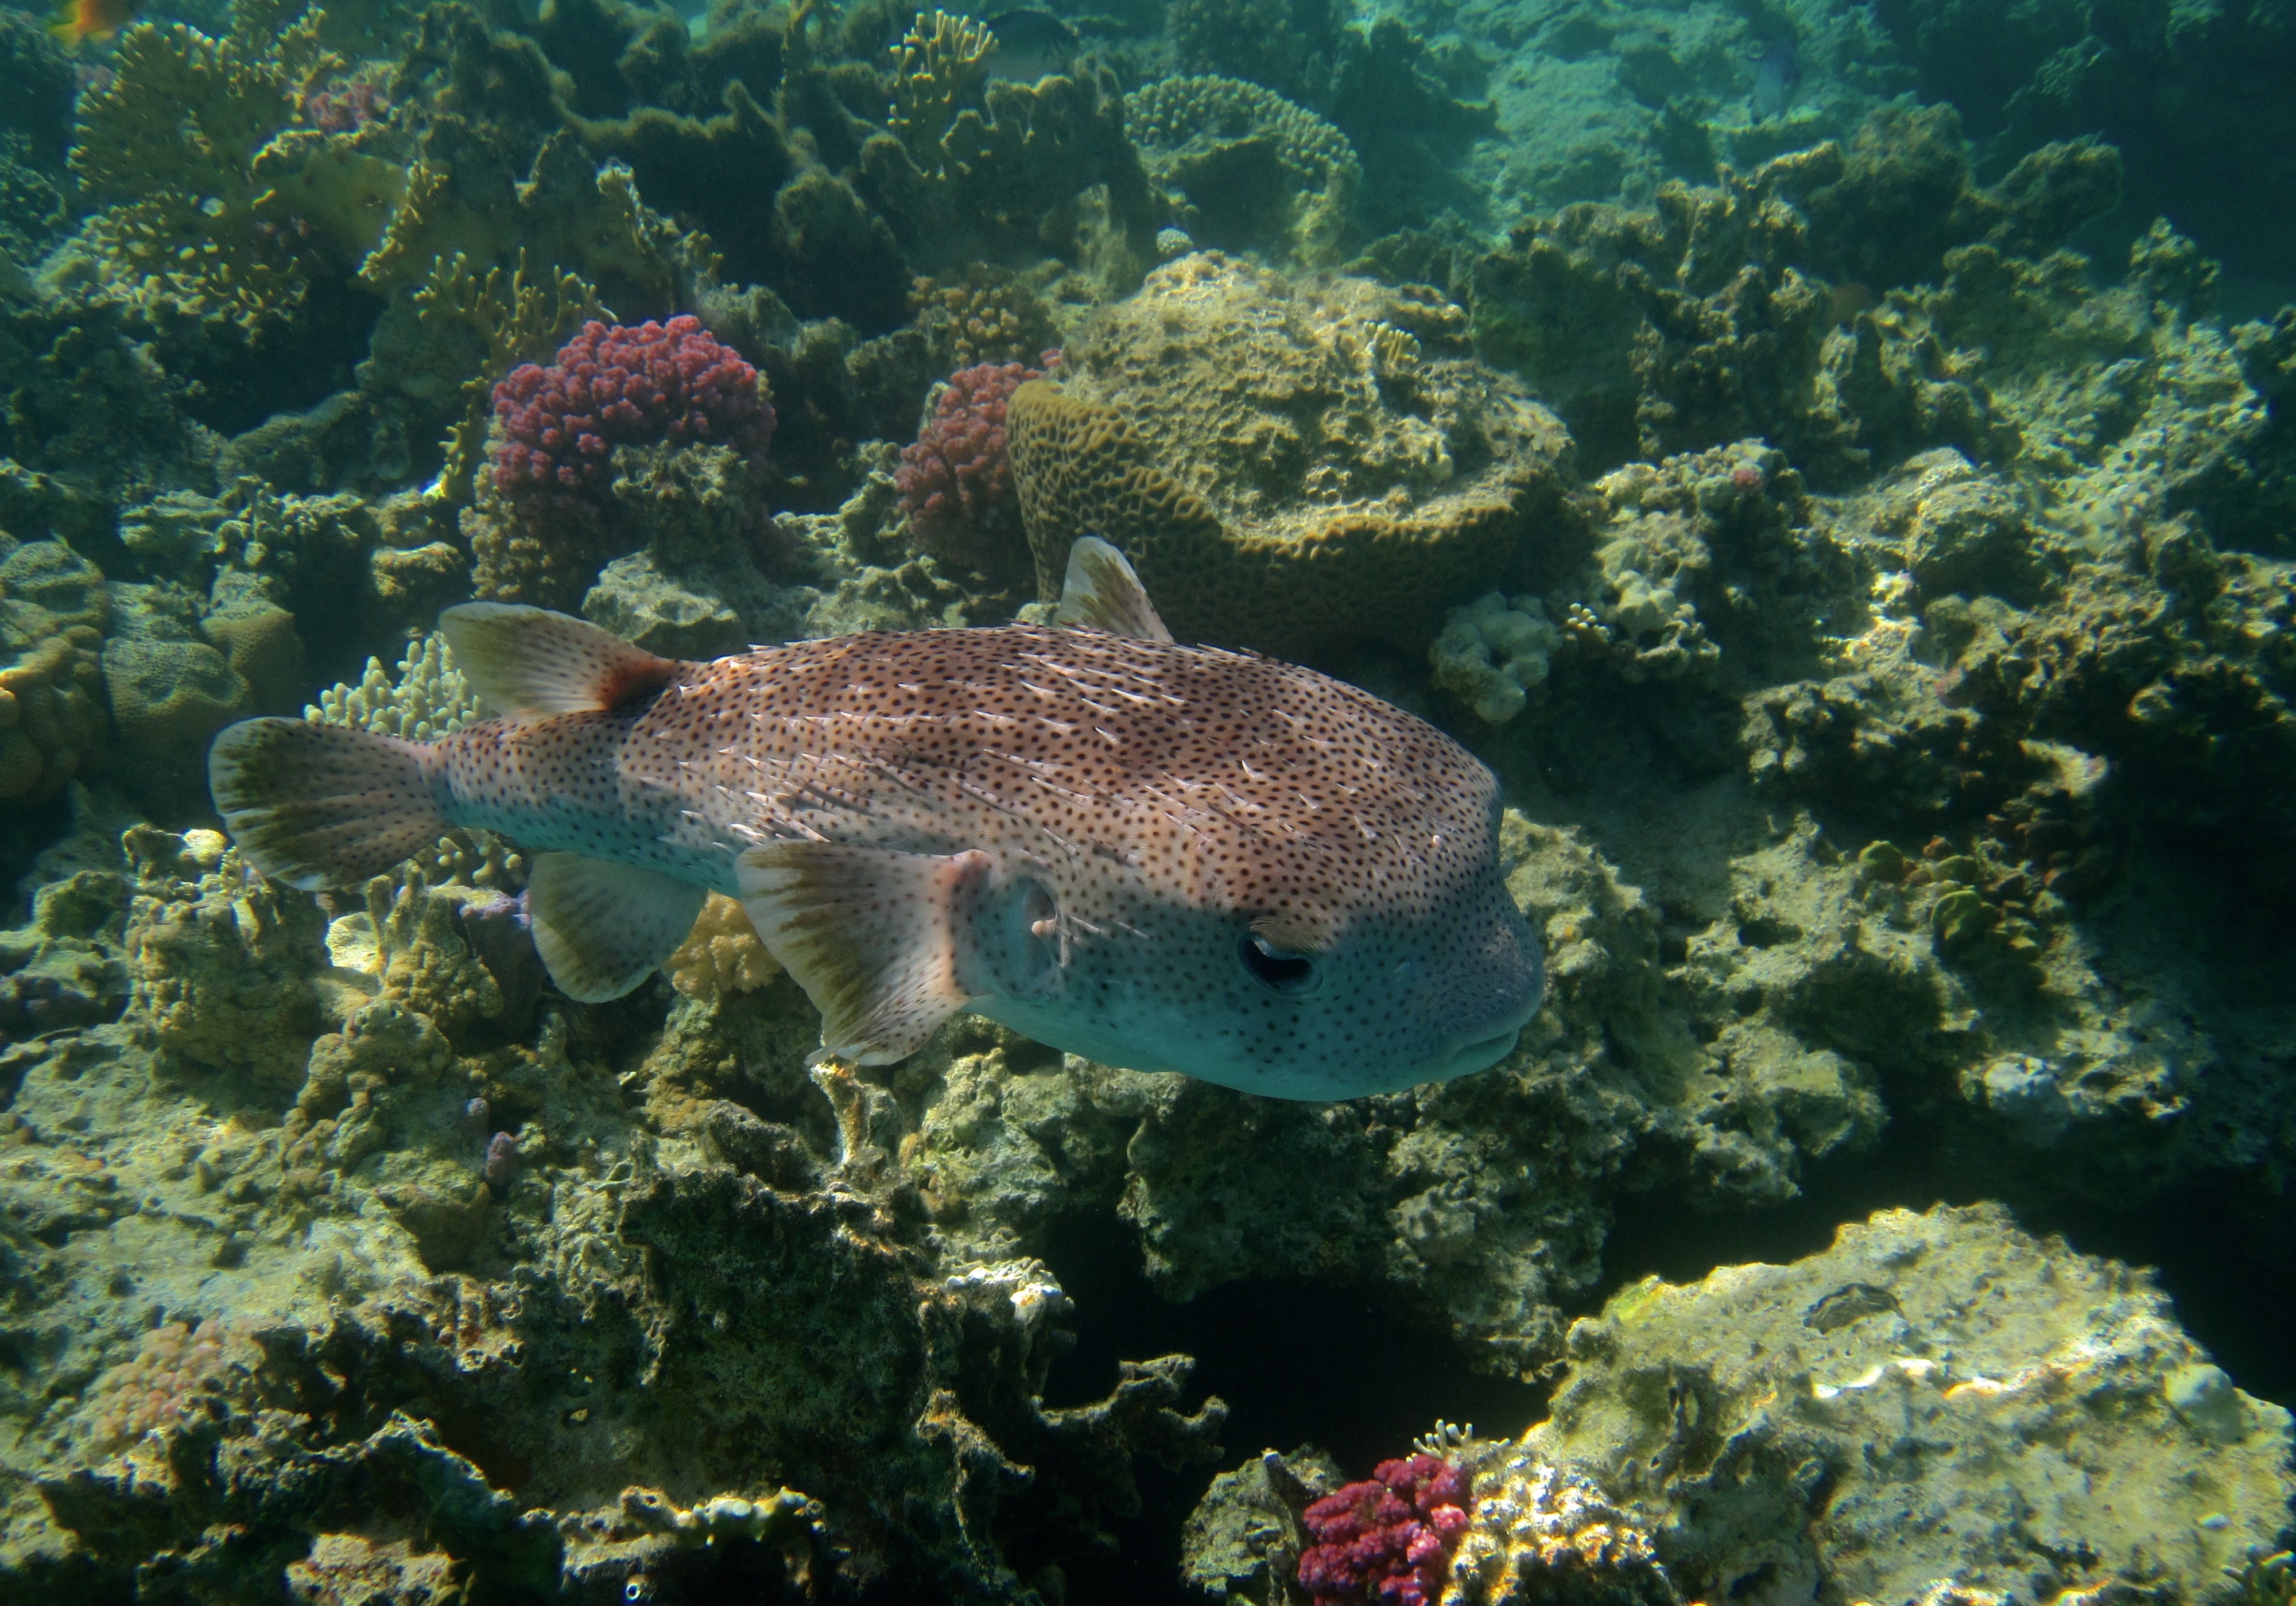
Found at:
<point>1293,975</point>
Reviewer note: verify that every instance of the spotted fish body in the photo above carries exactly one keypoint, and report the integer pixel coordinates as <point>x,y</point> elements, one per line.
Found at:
<point>1160,857</point>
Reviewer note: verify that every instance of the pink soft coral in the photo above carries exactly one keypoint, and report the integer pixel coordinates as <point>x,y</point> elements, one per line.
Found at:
<point>1386,1540</point>
<point>613,385</point>
<point>957,481</point>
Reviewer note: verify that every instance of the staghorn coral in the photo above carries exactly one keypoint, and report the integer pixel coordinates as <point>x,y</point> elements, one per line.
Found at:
<point>219,214</point>
<point>1244,168</point>
<point>518,312</point>
<point>938,66</point>
<point>955,479</point>
<point>463,197</point>
<point>1289,468</point>
<point>1037,169</point>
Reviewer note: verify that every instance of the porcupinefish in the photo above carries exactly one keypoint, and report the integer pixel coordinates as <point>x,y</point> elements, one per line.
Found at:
<point>1164,858</point>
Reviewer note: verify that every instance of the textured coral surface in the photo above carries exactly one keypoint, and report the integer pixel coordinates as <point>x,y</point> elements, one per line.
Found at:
<point>610,385</point>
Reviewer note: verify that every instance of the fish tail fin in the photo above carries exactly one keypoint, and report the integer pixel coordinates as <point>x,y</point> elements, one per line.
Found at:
<point>322,805</point>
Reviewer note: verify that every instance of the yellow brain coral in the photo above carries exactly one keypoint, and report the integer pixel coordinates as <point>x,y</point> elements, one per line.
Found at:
<point>1289,468</point>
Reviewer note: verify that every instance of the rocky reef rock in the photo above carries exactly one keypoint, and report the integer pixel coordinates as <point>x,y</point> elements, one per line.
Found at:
<point>1289,468</point>
<point>1938,1396</point>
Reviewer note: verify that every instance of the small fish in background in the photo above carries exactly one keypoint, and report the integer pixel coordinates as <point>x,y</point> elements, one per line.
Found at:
<point>77,22</point>
<point>1030,44</point>
<point>1777,75</point>
<point>1160,856</point>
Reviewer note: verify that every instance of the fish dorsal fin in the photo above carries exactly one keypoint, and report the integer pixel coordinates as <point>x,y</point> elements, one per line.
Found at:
<point>869,933</point>
<point>525,662</point>
<point>1101,593</point>
<point>600,927</point>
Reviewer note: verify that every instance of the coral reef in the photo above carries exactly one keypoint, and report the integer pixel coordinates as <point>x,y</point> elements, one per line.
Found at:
<point>52,724</point>
<point>570,443</point>
<point>1243,169</point>
<point>428,699</point>
<point>721,957</point>
<point>985,317</point>
<point>2053,1396</point>
<point>1388,1538</point>
<point>220,963</point>
<point>1494,655</point>
<point>175,1365</point>
<point>1541,1531</point>
<point>955,479</point>
<point>1334,444</point>
<point>610,385</point>
<point>1727,305</point>
<point>1877,613</point>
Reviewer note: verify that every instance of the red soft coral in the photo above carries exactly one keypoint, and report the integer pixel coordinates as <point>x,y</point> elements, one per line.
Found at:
<point>1386,1540</point>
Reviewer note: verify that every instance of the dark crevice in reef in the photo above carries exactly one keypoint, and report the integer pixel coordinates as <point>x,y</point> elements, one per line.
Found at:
<point>2220,1249</point>
<point>1297,1362</point>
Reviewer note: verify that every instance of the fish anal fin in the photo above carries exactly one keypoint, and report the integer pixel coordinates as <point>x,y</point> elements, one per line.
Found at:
<point>526,662</point>
<point>600,927</point>
<point>1101,593</point>
<point>869,933</point>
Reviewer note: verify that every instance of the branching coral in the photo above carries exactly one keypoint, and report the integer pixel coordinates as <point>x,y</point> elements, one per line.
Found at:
<point>518,313</point>
<point>1243,168</point>
<point>940,65</point>
<point>984,315</point>
<point>428,699</point>
<point>721,956</point>
<point>956,478</point>
<point>1387,1539</point>
<point>611,385</point>
<point>219,209</point>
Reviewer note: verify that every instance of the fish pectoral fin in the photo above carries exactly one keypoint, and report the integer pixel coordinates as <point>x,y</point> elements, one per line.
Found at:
<point>1101,593</point>
<point>600,927</point>
<point>870,934</point>
<point>525,662</point>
